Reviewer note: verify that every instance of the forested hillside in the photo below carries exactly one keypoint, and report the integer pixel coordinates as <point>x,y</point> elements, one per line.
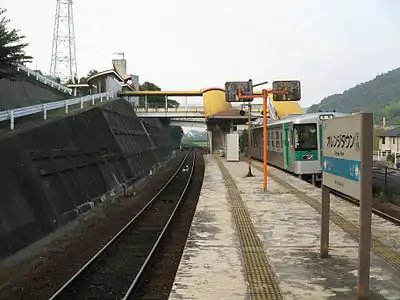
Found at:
<point>380,95</point>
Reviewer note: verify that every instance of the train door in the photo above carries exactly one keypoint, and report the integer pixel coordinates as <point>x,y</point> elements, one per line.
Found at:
<point>291,147</point>
<point>320,144</point>
<point>286,146</point>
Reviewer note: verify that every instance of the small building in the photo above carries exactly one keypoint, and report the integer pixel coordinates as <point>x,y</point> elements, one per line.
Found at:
<point>81,89</point>
<point>112,80</point>
<point>389,141</point>
<point>115,80</point>
<point>108,81</point>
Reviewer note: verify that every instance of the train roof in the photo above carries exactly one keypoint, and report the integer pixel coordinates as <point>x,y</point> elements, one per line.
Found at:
<point>305,118</point>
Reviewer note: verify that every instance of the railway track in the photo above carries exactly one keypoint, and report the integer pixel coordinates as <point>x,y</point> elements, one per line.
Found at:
<point>375,211</point>
<point>356,202</point>
<point>115,271</point>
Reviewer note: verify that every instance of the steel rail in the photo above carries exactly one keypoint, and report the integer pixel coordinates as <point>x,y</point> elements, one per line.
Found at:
<point>374,210</point>
<point>81,271</point>
<point>157,243</point>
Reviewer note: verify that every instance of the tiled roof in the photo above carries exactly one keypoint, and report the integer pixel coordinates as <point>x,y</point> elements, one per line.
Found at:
<point>392,133</point>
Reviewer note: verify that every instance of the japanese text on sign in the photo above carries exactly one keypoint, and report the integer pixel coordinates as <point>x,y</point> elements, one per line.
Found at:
<point>342,147</point>
<point>348,141</point>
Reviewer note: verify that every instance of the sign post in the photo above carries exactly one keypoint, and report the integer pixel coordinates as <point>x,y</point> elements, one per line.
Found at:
<point>236,91</point>
<point>265,137</point>
<point>347,168</point>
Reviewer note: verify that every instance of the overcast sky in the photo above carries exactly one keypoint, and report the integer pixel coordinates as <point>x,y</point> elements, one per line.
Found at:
<point>180,44</point>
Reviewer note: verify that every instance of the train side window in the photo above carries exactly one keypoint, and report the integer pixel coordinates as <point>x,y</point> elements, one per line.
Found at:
<point>273,139</point>
<point>278,142</point>
<point>269,139</point>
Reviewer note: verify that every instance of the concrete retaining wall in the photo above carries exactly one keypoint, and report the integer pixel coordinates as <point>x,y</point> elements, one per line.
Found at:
<point>48,172</point>
<point>25,91</point>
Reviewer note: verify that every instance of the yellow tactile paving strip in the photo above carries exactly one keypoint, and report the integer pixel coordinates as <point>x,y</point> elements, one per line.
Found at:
<point>387,253</point>
<point>259,274</point>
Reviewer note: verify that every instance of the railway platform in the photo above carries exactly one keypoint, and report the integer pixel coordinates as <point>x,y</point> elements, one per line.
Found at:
<point>247,244</point>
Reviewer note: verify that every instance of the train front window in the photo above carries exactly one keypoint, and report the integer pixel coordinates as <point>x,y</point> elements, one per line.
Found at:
<point>305,137</point>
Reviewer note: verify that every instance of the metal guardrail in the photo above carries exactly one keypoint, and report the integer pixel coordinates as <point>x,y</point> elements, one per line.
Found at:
<point>45,80</point>
<point>13,114</point>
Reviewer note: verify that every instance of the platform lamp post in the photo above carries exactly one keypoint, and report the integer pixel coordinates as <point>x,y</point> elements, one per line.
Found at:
<point>249,154</point>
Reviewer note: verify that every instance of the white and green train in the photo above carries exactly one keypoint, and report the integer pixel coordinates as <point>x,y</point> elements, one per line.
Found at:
<point>294,144</point>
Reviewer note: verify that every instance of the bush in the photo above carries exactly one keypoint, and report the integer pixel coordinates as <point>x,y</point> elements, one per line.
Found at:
<point>390,158</point>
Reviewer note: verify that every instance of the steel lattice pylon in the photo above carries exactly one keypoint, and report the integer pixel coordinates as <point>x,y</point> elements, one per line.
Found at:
<point>63,54</point>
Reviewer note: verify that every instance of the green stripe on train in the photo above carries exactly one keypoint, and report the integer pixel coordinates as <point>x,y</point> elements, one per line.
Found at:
<point>299,153</point>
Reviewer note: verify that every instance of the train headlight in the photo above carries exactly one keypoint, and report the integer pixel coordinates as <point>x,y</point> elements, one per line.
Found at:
<point>307,157</point>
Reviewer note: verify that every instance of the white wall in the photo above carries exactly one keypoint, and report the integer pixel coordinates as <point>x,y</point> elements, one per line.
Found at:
<point>112,85</point>
<point>391,144</point>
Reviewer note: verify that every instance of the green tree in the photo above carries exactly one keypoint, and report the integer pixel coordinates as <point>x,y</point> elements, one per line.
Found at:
<point>72,81</point>
<point>84,80</point>
<point>155,101</point>
<point>392,113</point>
<point>11,49</point>
<point>176,135</point>
<point>91,73</point>
<point>373,96</point>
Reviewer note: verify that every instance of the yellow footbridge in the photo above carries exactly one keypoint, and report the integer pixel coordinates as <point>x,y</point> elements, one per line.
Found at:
<point>214,101</point>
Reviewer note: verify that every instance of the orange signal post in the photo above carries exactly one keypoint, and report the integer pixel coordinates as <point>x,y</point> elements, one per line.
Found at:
<point>264,95</point>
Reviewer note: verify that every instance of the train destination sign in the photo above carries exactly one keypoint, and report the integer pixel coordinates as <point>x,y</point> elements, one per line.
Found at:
<point>232,87</point>
<point>342,145</point>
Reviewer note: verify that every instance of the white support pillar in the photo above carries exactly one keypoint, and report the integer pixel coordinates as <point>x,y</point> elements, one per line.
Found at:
<point>44,112</point>
<point>186,104</point>
<point>12,120</point>
<point>210,144</point>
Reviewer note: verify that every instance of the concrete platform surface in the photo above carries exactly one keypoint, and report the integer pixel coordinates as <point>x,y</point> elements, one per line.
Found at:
<point>213,265</point>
